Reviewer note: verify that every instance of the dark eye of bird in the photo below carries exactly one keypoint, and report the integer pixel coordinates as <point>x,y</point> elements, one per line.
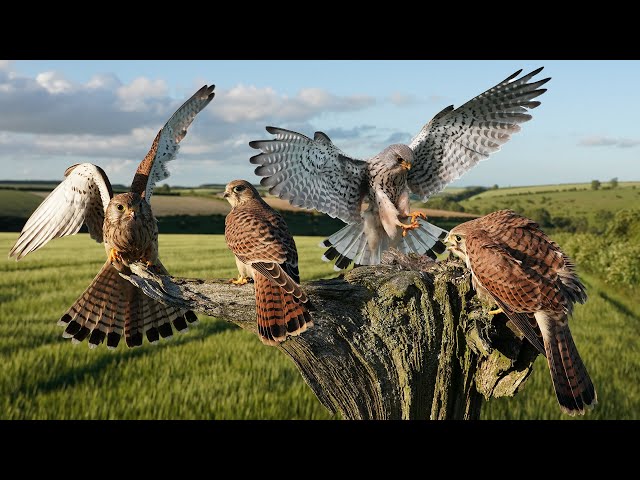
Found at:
<point>458,238</point>
<point>120,207</point>
<point>399,159</point>
<point>238,188</point>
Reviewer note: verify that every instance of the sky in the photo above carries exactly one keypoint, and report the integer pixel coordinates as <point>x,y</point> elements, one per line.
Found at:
<point>54,114</point>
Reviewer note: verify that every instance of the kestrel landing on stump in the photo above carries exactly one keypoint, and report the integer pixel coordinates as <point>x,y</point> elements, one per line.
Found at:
<point>372,195</point>
<point>125,223</point>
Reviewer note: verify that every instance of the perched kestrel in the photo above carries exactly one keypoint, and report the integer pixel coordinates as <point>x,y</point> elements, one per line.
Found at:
<point>126,225</point>
<point>258,236</point>
<point>514,264</point>
<point>316,174</point>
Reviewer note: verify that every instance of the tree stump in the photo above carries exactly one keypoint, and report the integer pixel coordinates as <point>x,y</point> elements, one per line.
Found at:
<point>404,340</point>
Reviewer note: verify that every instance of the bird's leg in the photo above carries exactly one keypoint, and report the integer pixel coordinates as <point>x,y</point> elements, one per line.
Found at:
<point>241,280</point>
<point>496,311</point>
<point>406,228</point>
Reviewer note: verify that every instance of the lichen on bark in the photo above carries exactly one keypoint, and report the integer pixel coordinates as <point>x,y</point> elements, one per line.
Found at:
<point>404,340</point>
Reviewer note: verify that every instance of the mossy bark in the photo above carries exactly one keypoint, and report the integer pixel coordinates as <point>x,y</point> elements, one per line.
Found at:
<point>388,342</point>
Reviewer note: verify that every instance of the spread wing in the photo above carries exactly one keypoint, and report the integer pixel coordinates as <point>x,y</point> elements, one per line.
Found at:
<point>82,197</point>
<point>454,141</point>
<point>165,146</point>
<point>311,173</point>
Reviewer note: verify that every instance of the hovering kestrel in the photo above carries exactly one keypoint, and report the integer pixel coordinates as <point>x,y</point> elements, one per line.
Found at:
<point>259,238</point>
<point>316,174</point>
<point>126,225</point>
<point>514,264</point>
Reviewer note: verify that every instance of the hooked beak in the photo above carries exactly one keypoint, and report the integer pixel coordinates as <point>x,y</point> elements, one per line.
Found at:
<point>133,211</point>
<point>448,241</point>
<point>406,165</point>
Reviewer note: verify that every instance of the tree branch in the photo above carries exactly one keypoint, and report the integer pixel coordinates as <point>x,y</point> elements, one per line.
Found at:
<point>403,340</point>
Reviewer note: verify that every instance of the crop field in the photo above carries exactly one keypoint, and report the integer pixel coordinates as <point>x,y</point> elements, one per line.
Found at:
<point>218,371</point>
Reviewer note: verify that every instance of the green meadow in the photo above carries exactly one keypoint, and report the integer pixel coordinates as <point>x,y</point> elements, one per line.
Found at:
<point>218,371</point>
<point>570,201</point>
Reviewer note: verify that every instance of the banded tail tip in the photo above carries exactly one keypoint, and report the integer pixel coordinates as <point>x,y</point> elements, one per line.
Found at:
<point>180,323</point>
<point>113,339</point>
<point>165,330</point>
<point>191,317</point>
<point>64,320</point>
<point>153,335</point>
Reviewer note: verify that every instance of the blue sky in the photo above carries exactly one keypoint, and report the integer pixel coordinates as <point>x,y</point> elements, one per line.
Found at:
<point>57,113</point>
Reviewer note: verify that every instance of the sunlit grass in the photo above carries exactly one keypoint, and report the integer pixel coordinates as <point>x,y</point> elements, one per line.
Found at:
<point>218,371</point>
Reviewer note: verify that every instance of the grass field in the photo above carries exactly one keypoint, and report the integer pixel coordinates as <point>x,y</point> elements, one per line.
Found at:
<point>218,371</point>
<point>581,203</point>
<point>15,203</point>
<point>500,192</point>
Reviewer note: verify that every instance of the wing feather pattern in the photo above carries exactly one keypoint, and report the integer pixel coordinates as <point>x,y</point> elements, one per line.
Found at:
<point>454,141</point>
<point>166,144</point>
<point>311,174</point>
<point>81,197</point>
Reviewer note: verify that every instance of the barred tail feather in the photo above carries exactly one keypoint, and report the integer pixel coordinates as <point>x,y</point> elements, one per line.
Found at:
<point>346,244</point>
<point>111,307</point>
<point>427,239</point>
<point>350,244</point>
<point>278,313</point>
<point>573,386</point>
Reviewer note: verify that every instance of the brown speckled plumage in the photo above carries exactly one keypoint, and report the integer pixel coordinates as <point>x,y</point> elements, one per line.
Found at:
<point>517,266</point>
<point>258,236</point>
<point>111,306</point>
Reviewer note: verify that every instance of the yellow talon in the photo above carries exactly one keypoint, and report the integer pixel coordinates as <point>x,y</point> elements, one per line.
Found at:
<point>496,311</point>
<point>114,256</point>
<point>406,228</point>
<point>415,215</point>
<point>241,280</point>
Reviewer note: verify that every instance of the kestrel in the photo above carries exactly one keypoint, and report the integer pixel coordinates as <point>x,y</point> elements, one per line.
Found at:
<point>372,195</point>
<point>259,238</point>
<point>126,225</point>
<point>519,268</point>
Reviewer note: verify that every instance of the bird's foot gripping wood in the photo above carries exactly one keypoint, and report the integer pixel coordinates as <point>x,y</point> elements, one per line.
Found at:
<point>115,258</point>
<point>496,311</point>
<point>415,215</point>
<point>241,280</point>
<point>406,228</point>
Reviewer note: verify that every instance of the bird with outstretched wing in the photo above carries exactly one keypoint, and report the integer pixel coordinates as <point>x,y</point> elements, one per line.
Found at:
<point>372,195</point>
<point>111,306</point>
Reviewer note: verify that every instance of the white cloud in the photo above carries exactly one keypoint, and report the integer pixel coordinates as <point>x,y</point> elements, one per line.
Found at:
<point>5,64</point>
<point>133,96</point>
<point>601,141</point>
<point>249,103</point>
<point>49,122</point>
<point>54,82</point>
<point>107,81</point>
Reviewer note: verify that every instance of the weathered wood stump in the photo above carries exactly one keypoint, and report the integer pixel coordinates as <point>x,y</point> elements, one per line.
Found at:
<point>403,340</point>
